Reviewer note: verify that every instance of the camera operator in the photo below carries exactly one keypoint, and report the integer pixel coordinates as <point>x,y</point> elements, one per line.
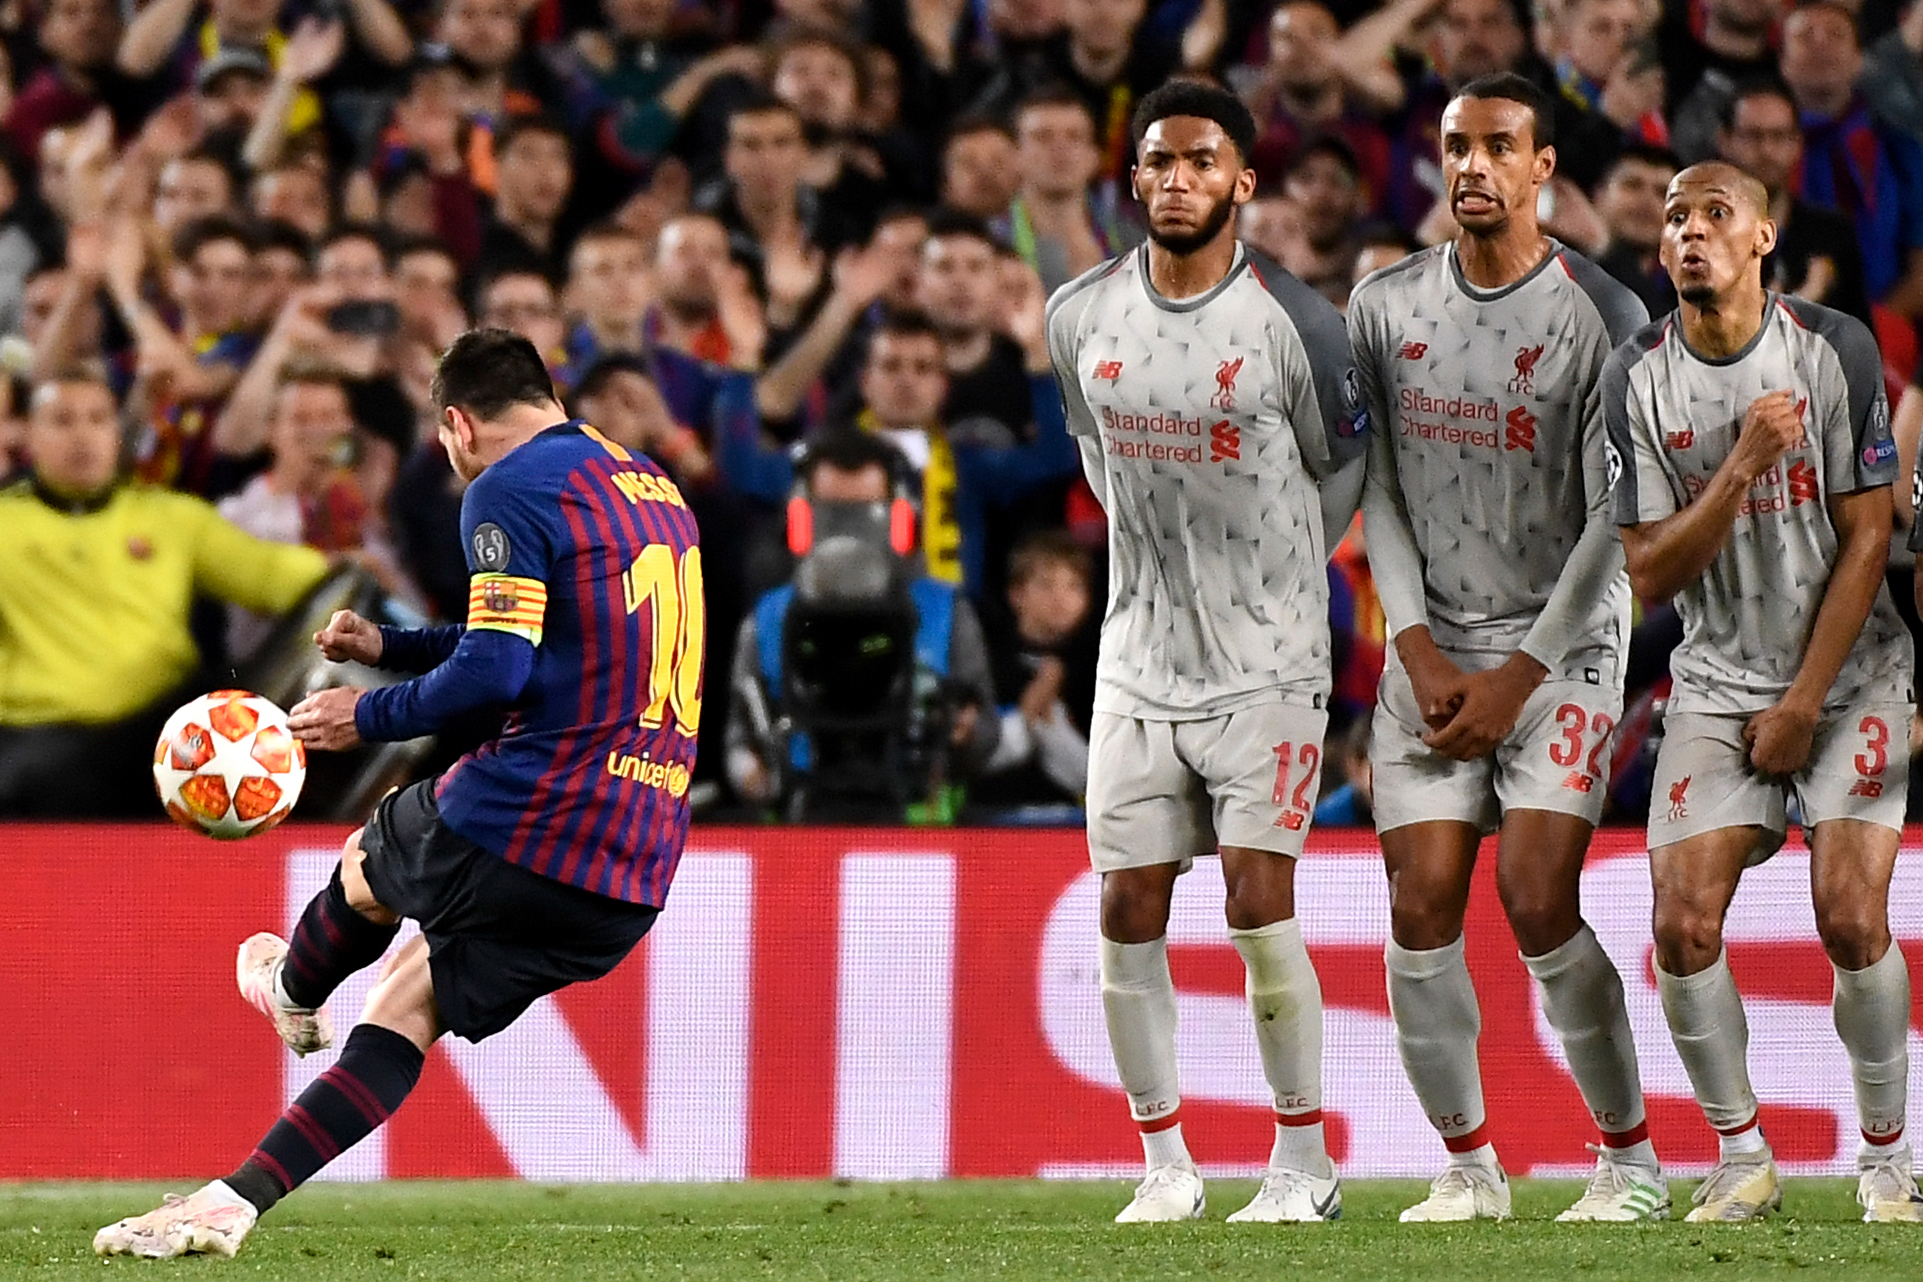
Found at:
<point>771,756</point>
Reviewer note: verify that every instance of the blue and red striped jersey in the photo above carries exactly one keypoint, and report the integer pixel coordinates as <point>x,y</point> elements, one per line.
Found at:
<point>591,554</point>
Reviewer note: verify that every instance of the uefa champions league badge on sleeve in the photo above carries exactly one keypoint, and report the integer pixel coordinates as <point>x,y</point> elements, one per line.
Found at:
<point>1355,411</point>
<point>490,547</point>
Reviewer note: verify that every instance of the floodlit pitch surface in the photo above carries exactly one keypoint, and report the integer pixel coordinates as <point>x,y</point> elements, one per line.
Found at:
<point>961,1229</point>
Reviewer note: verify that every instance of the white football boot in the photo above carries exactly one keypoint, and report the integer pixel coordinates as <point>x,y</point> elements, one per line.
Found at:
<point>214,1220</point>
<point>255,968</point>
<point>1292,1197</point>
<point>1739,1189</point>
<point>1887,1190</point>
<point>1166,1194</point>
<point>1472,1192</point>
<point>1619,1193</point>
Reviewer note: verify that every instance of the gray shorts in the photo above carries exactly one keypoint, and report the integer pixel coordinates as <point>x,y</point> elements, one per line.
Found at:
<point>1556,758</point>
<point>1163,792</point>
<point>1857,769</point>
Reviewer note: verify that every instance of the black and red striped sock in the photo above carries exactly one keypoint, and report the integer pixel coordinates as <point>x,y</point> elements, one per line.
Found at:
<point>331,942</point>
<point>340,1108</point>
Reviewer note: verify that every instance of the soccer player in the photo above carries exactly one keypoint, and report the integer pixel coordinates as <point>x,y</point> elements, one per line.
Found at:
<point>1487,513</point>
<point>538,860</point>
<point>1752,462</point>
<point>1215,404</point>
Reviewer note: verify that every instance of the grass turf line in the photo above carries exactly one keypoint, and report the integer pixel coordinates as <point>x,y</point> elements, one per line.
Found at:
<point>953,1230</point>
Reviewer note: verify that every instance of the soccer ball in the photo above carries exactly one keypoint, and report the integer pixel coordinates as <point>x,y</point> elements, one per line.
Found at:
<point>228,766</point>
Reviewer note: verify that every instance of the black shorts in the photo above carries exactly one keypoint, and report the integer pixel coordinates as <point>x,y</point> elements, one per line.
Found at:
<point>498,936</point>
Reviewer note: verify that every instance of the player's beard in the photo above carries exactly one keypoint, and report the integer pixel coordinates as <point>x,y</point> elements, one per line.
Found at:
<point>1698,295</point>
<point>1187,242</point>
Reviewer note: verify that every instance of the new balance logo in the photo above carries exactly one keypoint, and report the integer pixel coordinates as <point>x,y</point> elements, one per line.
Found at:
<point>1577,781</point>
<point>1292,820</point>
<point>1225,442</point>
<point>1680,440</point>
<point>1110,370</point>
<point>1413,351</point>
<point>1867,788</point>
<point>1522,431</point>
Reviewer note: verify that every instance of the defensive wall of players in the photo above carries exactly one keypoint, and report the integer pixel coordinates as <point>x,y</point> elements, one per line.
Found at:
<point>868,1003</point>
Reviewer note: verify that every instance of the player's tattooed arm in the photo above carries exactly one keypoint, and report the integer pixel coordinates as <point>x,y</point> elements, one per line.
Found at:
<point>1668,555</point>
<point>1779,737</point>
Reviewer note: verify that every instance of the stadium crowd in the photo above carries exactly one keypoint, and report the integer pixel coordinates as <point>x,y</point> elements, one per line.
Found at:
<point>749,236</point>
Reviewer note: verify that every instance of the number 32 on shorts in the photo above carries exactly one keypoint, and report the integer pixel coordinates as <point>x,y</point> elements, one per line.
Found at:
<point>1566,749</point>
<point>670,588</point>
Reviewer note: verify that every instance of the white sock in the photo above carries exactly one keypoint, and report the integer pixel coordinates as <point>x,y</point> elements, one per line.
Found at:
<point>1165,1148</point>
<point>1711,1033</point>
<point>1138,1001</point>
<point>1872,1012</point>
<point>1437,1023</point>
<point>1583,997</point>
<point>1285,1000</point>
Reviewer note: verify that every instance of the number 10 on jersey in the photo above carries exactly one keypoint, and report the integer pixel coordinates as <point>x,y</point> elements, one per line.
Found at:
<point>670,590</point>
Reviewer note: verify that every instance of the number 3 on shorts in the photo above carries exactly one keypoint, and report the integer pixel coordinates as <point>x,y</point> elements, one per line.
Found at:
<point>1875,757</point>
<point>1566,751</point>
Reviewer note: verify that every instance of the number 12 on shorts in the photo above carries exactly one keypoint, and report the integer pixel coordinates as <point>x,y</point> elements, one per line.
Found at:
<point>1295,805</point>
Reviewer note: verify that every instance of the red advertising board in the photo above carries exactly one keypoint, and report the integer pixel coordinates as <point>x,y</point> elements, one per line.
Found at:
<point>870,1003</point>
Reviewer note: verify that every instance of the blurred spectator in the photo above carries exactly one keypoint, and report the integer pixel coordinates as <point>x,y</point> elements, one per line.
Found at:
<point>1277,226</point>
<point>1060,223</point>
<point>616,395</point>
<point>1319,80</point>
<point>97,580</point>
<point>634,82</point>
<point>1044,678</point>
<point>1352,803</point>
<point>283,262</point>
<point>768,756</point>
<point>78,39</point>
<point>1816,255</point>
<point>822,76</point>
<point>903,384</point>
<point>703,306</point>
<point>1631,204</point>
<point>186,369</point>
<point>778,224</point>
<point>980,167</point>
<point>989,394</point>
<point>1892,76</point>
<point>1382,247</point>
<point>1101,54</point>
<point>1610,65</point>
<point>525,302</point>
<point>1325,184</point>
<point>1852,163</point>
<point>307,495</point>
<point>533,175</point>
<point>296,194</point>
<point>1708,49</point>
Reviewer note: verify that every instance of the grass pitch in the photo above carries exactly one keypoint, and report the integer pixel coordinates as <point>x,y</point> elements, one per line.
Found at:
<point>964,1229</point>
